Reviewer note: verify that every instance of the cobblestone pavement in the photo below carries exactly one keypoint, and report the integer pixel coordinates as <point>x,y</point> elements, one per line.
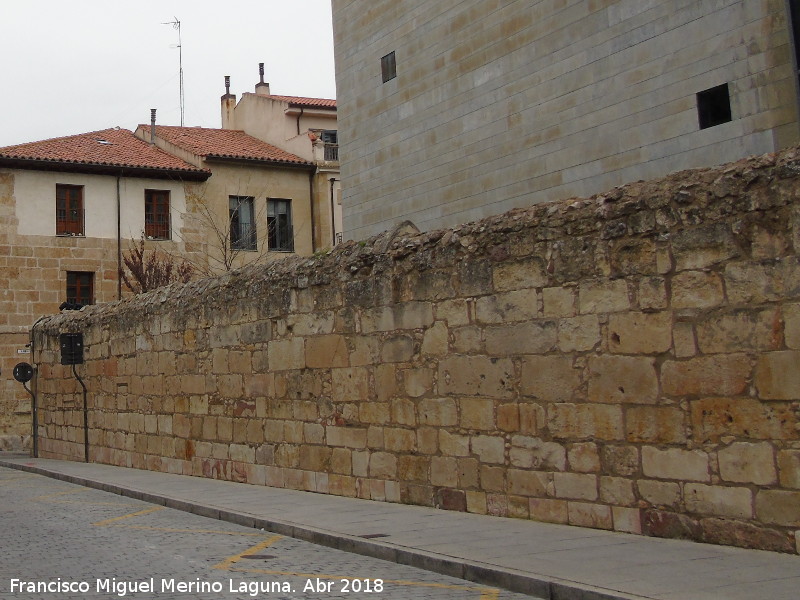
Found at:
<point>86,543</point>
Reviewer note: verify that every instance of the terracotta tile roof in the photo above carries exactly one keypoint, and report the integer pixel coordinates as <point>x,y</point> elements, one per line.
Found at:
<point>104,150</point>
<point>222,143</point>
<point>310,102</point>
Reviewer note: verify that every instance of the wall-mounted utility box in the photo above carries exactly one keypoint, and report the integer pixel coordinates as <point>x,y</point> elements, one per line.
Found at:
<point>71,348</point>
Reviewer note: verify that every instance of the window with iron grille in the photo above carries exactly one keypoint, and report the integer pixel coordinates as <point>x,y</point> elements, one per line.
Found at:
<point>243,224</point>
<point>156,214</point>
<point>69,209</point>
<point>80,287</point>
<point>279,224</point>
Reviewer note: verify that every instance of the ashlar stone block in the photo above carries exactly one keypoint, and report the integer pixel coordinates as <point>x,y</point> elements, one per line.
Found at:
<point>744,462</point>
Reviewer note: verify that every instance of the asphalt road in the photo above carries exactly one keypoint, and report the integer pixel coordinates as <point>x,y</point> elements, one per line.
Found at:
<point>63,541</point>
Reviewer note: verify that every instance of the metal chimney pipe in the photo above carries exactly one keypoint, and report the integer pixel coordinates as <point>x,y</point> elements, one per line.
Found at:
<point>227,85</point>
<point>152,126</point>
<point>261,72</point>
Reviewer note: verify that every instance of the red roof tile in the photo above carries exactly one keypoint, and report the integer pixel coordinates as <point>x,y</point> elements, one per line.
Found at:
<point>107,148</point>
<point>311,102</point>
<point>222,143</point>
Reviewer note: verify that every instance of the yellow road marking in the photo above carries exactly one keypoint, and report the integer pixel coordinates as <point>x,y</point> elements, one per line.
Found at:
<point>176,530</point>
<point>225,564</point>
<point>146,511</point>
<point>490,595</point>
<point>54,494</point>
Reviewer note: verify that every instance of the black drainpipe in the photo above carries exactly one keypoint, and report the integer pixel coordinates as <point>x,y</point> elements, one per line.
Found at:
<point>333,216</point>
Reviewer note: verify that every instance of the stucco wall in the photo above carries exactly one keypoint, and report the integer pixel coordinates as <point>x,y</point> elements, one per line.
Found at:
<point>498,105</point>
<point>626,361</point>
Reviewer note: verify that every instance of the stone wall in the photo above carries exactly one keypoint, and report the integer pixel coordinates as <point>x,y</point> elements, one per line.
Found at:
<point>626,361</point>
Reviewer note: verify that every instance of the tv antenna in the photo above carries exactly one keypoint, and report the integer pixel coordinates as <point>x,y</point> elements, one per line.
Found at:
<point>176,24</point>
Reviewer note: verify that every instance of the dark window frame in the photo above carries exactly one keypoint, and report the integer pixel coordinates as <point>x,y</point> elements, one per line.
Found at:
<point>243,235</point>
<point>714,106</point>
<point>389,66</point>
<point>280,228</point>
<point>80,287</point>
<point>157,218</point>
<point>70,210</point>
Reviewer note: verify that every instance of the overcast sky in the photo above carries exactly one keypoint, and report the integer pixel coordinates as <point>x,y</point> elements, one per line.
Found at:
<point>84,65</point>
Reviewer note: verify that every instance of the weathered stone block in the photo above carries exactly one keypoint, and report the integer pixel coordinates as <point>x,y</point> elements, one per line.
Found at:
<point>789,468</point>
<point>585,514</point>
<point>436,340</point>
<point>578,486</point>
<point>697,289</point>
<point>617,490</point>
<point>585,421</point>
<point>444,471</point>
<point>549,510</point>
<point>417,381</point>
<point>534,337</point>
<point>471,375</point>
<point>507,307</point>
<point>739,330</point>
<point>652,293</point>
<point>618,379</point>
<point>549,378</point>
<point>659,493</point>
<point>438,412</point>
<point>453,444</point>
<point>519,275</point>
<point>777,376</point>
<point>287,354</point>
<point>477,413</point>
<point>348,437</point>
<point>733,502</point>
<point>743,462</point>
<point>778,507</point>
<point>627,520</point>
<point>527,483</point>
<point>350,384</point>
<point>703,246</point>
<point>398,348</point>
<point>640,333</point>
<point>325,351</point>
<point>655,424</point>
<point>383,465</point>
<point>558,301</point>
<point>578,334</point>
<point>603,296</point>
<point>725,374</point>
<point>674,463</point>
<point>713,418</point>
<point>584,457</point>
<point>534,453</point>
<point>490,449</point>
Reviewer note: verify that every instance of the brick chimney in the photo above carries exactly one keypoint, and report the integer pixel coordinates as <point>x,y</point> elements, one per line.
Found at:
<point>262,88</point>
<point>228,104</point>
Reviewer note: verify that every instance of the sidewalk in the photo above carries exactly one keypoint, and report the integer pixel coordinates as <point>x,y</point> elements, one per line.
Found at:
<point>556,562</point>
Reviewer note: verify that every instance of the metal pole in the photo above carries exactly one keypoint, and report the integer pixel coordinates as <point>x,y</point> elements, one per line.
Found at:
<point>35,422</point>
<point>85,417</point>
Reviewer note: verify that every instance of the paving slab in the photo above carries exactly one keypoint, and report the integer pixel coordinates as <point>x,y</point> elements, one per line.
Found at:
<point>555,562</point>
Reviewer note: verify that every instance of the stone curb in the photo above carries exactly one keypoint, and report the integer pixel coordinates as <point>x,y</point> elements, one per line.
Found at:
<point>538,586</point>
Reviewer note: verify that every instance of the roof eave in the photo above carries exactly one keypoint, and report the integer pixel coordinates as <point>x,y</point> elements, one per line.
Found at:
<point>261,162</point>
<point>103,169</point>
